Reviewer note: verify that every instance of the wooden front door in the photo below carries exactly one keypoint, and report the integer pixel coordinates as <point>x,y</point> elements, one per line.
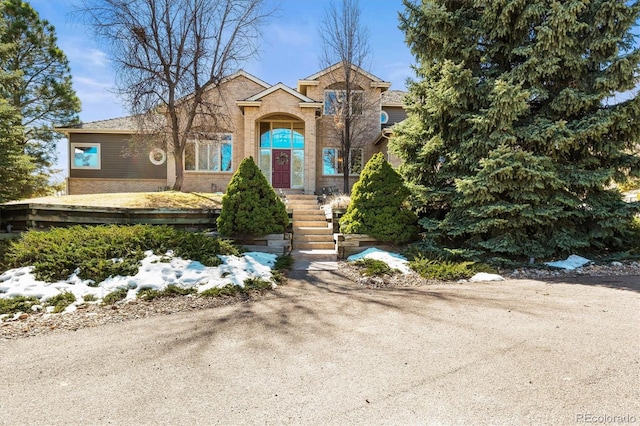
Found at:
<point>281,174</point>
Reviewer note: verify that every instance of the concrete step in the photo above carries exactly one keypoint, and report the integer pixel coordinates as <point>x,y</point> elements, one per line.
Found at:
<point>309,223</point>
<point>312,230</point>
<point>312,238</point>
<point>313,245</point>
<point>308,211</point>
<point>303,206</point>
<point>310,217</point>
<point>302,197</point>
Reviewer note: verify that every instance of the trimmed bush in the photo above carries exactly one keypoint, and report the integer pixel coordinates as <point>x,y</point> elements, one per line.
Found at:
<point>251,206</point>
<point>378,205</point>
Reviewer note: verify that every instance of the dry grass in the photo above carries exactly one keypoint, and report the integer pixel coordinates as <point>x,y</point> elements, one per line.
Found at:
<point>149,200</point>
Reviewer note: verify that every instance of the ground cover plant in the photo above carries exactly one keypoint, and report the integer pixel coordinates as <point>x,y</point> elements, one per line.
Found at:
<point>48,248</point>
<point>250,285</point>
<point>374,267</point>
<point>98,252</point>
<point>447,270</point>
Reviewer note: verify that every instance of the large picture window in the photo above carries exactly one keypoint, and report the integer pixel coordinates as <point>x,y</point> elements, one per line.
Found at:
<point>333,161</point>
<point>334,101</point>
<point>209,155</point>
<point>85,156</point>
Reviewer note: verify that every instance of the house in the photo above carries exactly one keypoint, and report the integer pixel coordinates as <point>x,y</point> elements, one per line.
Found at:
<point>289,132</point>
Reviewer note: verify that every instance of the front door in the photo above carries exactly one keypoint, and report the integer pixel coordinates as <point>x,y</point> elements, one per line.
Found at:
<point>281,174</point>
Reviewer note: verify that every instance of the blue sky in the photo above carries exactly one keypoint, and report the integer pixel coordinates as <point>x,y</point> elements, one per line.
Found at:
<point>289,51</point>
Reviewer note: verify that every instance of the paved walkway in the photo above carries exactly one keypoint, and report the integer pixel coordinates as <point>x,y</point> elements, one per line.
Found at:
<point>314,260</point>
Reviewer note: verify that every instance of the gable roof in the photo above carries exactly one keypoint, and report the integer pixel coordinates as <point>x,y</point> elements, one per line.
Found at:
<point>243,73</point>
<point>281,86</point>
<point>122,125</point>
<point>335,66</point>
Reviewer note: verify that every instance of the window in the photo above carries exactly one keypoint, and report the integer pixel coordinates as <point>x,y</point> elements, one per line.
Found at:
<point>209,155</point>
<point>333,160</point>
<point>85,156</point>
<point>333,100</point>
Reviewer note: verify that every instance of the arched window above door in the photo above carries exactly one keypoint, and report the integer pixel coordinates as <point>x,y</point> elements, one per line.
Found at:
<point>282,134</point>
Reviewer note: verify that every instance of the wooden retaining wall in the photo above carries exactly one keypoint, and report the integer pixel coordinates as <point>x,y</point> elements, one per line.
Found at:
<point>273,243</point>
<point>348,244</point>
<point>42,216</point>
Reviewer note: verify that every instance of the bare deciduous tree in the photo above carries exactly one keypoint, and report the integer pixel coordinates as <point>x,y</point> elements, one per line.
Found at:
<point>345,47</point>
<point>169,53</point>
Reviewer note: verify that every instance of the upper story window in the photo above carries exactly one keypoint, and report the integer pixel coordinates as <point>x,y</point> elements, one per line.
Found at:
<point>333,160</point>
<point>209,155</point>
<point>335,102</point>
<point>85,156</point>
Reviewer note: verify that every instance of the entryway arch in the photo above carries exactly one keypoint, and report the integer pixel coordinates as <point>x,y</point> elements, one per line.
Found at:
<point>281,145</point>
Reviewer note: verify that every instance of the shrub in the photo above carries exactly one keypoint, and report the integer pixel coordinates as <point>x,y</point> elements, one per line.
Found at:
<point>170,291</point>
<point>447,270</point>
<point>203,248</point>
<point>374,267</point>
<point>379,205</point>
<point>284,262</point>
<point>61,301</point>
<point>103,251</point>
<point>17,304</point>
<point>115,296</point>
<point>229,290</point>
<point>250,205</point>
<point>256,284</point>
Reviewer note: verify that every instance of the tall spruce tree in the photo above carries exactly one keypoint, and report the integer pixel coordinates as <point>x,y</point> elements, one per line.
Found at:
<point>43,94</point>
<point>513,141</point>
<point>15,166</point>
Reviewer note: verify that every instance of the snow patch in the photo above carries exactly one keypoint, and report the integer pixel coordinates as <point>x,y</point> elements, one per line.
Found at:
<point>484,276</point>
<point>394,260</point>
<point>570,263</point>
<point>155,272</point>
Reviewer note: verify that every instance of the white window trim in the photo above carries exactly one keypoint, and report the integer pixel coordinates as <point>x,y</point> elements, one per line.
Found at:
<point>348,161</point>
<point>157,161</point>
<point>384,117</point>
<point>197,153</point>
<point>75,145</point>
<point>328,104</point>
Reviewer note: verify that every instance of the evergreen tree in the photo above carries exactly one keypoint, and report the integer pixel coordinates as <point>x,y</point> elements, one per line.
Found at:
<point>43,94</point>
<point>250,205</point>
<point>379,204</point>
<point>15,166</point>
<point>513,141</point>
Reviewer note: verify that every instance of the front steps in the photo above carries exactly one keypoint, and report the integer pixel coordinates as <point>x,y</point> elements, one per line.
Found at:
<point>310,228</point>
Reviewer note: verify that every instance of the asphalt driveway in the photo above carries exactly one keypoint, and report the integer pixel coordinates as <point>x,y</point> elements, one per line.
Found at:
<point>322,350</point>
